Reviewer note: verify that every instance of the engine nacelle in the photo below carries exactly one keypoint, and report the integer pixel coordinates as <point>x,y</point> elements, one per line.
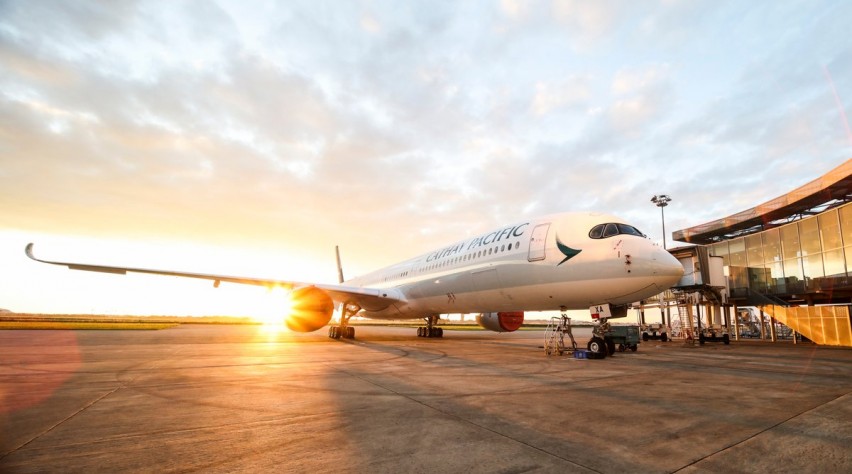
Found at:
<point>501,322</point>
<point>311,309</point>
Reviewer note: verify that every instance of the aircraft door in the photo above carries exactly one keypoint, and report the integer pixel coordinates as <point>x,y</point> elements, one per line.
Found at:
<point>537,242</point>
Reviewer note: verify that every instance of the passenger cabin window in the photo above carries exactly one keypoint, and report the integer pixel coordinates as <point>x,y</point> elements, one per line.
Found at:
<point>603,231</point>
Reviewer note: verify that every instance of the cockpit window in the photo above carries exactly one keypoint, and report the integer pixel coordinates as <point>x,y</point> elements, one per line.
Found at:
<point>629,230</point>
<point>597,231</point>
<point>602,231</point>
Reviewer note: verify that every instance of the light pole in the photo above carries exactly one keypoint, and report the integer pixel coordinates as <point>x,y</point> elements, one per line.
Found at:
<point>661,201</point>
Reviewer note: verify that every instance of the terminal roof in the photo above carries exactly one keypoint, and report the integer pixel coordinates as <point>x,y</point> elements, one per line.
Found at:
<point>829,190</point>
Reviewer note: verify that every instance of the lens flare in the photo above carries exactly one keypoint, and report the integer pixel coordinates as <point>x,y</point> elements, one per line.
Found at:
<point>311,309</point>
<point>273,309</point>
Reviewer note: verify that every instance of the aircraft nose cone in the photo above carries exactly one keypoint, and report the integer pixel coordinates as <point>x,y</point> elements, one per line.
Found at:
<point>667,266</point>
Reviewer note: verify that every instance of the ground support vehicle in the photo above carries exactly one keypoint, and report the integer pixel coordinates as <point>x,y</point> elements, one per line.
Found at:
<point>655,331</point>
<point>624,337</point>
<point>714,334</point>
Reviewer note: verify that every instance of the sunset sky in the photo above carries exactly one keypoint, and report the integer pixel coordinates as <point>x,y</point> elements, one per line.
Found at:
<point>250,137</point>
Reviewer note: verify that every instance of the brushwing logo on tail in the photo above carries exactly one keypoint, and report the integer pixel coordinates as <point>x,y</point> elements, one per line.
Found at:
<point>566,250</point>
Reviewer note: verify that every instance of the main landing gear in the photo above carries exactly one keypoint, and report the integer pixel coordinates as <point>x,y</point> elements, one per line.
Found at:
<point>344,330</point>
<point>430,330</point>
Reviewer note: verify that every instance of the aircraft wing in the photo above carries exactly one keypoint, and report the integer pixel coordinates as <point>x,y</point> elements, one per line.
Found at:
<point>371,299</point>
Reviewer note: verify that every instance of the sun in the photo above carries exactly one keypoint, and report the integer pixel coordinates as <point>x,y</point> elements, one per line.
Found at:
<point>273,307</point>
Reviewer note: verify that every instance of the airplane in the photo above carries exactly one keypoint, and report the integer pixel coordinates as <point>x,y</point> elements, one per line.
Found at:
<point>556,262</point>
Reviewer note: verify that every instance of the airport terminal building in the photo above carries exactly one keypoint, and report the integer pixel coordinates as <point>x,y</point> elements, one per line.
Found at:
<point>791,257</point>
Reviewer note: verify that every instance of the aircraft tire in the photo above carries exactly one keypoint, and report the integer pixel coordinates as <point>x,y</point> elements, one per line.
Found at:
<point>610,346</point>
<point>664,337</point>
<point>440,332</point>
<point>726,339</point>
<point>420,331</point>
<point>598,347</point>
<point>350,332</point>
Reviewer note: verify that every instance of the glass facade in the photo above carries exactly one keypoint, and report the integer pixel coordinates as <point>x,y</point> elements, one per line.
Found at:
<point>810,258</point>
<point>809,255</point>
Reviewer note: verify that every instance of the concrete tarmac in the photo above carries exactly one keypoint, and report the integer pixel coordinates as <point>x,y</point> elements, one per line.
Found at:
<point>243,398</point>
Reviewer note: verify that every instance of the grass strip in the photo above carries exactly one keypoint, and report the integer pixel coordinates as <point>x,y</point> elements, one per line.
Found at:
<point>79,325</point>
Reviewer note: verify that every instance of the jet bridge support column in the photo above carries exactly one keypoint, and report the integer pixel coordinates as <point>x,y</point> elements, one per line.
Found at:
<point>668,316</point>
<point>772,333</point>
<point>736,323</point>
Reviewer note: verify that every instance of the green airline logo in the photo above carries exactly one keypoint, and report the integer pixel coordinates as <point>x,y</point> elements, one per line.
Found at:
<point>566,250</point>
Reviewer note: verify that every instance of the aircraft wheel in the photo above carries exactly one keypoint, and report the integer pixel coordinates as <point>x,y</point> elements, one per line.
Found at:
<point>597,346</point>
<point>440,332</point>
<point>726,339</point>
<point>701,339</point>
<point>610,346</point>
<point>420,331</point>
<point>664,337</point>
<point>350,332</point>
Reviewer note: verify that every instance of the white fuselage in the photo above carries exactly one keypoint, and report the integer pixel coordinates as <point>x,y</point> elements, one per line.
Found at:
<point>522,267</point>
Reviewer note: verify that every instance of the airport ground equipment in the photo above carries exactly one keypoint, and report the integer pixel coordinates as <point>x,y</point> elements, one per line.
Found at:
<point>624,337</point>
<point>684,314</point>
<point>655,332</point>
<point>554,335</point>
<point>714,334</point>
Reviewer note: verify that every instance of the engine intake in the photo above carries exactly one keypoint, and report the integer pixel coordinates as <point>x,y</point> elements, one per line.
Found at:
<point>310,310</point>
<point>501,322</point>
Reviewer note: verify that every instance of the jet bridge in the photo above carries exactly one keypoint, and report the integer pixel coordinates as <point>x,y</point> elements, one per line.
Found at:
<point>702,292</point>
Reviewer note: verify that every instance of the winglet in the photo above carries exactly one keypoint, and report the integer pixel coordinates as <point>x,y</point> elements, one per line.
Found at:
<point>29,251</point>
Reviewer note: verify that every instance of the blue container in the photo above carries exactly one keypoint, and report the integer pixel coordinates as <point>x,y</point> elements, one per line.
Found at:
<point>580,354</point>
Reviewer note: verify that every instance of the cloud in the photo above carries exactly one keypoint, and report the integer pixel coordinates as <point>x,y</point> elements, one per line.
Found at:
<point>299,123</point>
<point>574,91</point>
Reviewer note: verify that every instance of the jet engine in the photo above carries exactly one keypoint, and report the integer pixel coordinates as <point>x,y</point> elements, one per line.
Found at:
<point>311,309</point>
<point>501,322</point>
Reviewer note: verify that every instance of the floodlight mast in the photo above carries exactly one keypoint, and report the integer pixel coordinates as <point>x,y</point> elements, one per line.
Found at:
<point>661,201</point>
